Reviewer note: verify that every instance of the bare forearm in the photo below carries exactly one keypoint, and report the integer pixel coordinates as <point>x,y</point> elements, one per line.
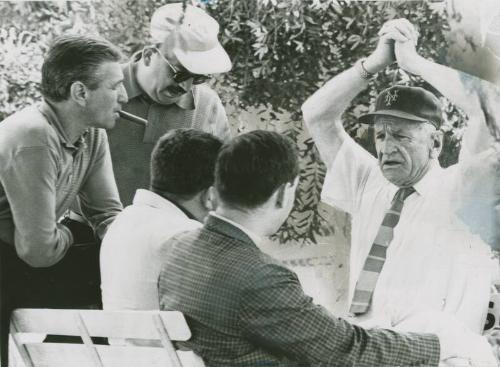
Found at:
<point>476,97</point>
<point>460,88</point>
<point>329,102</point>
<point>323,110</point>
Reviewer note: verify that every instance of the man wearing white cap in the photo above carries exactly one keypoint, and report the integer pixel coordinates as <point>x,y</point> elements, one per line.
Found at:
<point>165,85</point>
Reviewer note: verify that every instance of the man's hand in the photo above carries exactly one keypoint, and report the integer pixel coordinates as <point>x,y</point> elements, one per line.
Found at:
<point>494,339</point>
<point>82,233</point>
<point>459,345</point>
<point>396,30</point>
<point>407,57</point>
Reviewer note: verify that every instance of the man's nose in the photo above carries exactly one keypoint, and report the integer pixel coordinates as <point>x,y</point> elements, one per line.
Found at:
<point>388,145</point>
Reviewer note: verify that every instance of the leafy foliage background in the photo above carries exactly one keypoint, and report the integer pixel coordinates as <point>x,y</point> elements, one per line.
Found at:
<point>282,51</point>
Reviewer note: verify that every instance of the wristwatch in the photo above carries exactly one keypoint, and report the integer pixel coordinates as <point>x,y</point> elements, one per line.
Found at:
<point>365,74</point>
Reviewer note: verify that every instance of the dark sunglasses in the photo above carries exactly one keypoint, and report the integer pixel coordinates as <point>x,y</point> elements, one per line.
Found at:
<point>180,76</point>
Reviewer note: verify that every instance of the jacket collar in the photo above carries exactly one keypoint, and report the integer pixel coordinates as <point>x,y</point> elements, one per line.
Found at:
<point>219,225</point>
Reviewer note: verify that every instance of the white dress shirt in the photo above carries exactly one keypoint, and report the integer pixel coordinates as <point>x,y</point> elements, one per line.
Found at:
<point>130,261</point>
<point>433,262</point>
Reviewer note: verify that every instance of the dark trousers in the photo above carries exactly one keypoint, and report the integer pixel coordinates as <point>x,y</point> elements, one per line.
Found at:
<point>74,282</point>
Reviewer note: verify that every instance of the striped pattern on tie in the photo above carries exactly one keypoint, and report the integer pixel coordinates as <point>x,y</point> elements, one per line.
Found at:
<point>376,257</point>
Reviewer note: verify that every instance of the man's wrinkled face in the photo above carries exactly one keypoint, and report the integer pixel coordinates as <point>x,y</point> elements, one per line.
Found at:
<point>405,149</point>
<point>162,88</point>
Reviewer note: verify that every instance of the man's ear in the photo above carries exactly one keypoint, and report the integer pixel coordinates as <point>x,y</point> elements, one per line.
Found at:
<point>79,93</point>
<point>437,144</point>
<point>280,196</point>
<point>285,192</point>
<point>147,54</point>
<point>209,198</point>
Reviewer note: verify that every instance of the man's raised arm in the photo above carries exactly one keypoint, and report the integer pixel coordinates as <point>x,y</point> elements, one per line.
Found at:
<point>476,97</point>
<point>323,110</point>
<point>479,160</point>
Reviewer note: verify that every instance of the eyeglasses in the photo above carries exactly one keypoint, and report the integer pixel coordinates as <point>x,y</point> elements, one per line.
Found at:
<point>180,76</point>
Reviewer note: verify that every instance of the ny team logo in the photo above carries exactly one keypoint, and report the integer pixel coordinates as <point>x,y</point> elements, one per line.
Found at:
<point>391,97</point>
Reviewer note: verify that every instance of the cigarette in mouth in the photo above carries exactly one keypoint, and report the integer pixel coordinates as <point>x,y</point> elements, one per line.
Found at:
<point>133,118</point>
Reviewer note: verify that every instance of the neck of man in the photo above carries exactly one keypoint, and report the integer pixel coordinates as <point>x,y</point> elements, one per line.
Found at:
<point>72,120</point>
<point>192,207</point>
<point>421,174</point>
<point>255,220</point>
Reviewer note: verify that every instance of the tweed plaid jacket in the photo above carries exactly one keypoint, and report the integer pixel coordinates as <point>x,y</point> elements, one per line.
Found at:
<point>245,309</point>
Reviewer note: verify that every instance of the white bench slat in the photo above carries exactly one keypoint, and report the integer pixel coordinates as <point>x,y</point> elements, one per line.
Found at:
<point>113,324</point>
<point>58,355</point>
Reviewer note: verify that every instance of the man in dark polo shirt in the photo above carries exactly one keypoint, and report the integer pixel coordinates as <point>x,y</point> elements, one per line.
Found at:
<point>164,83</point>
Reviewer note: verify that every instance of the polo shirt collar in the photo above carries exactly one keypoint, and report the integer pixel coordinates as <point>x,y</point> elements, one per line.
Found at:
<point>186,101</point>
<point>430,181</point>
<point>149,198</point>
<point>48,111</point>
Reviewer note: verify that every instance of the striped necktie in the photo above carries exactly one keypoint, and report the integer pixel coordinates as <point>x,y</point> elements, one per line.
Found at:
<point>376,258</point>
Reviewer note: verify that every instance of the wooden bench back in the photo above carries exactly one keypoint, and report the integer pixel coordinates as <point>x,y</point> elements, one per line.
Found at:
<point>130,331</point>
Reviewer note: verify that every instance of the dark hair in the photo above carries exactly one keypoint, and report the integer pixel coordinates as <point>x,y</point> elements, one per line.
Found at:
<point>253,166</point>
<point>74,58</point>
<point>183,162</point>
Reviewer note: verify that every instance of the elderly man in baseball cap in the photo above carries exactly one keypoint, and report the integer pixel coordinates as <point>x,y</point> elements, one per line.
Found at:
<point>166,86</point>
<point>415,266</point>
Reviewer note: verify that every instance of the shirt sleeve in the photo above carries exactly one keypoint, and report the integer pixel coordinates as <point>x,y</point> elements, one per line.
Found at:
<point>99,196</point>
<point>347,177</point>
<point>277,314</point>
<point>30,186</point>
